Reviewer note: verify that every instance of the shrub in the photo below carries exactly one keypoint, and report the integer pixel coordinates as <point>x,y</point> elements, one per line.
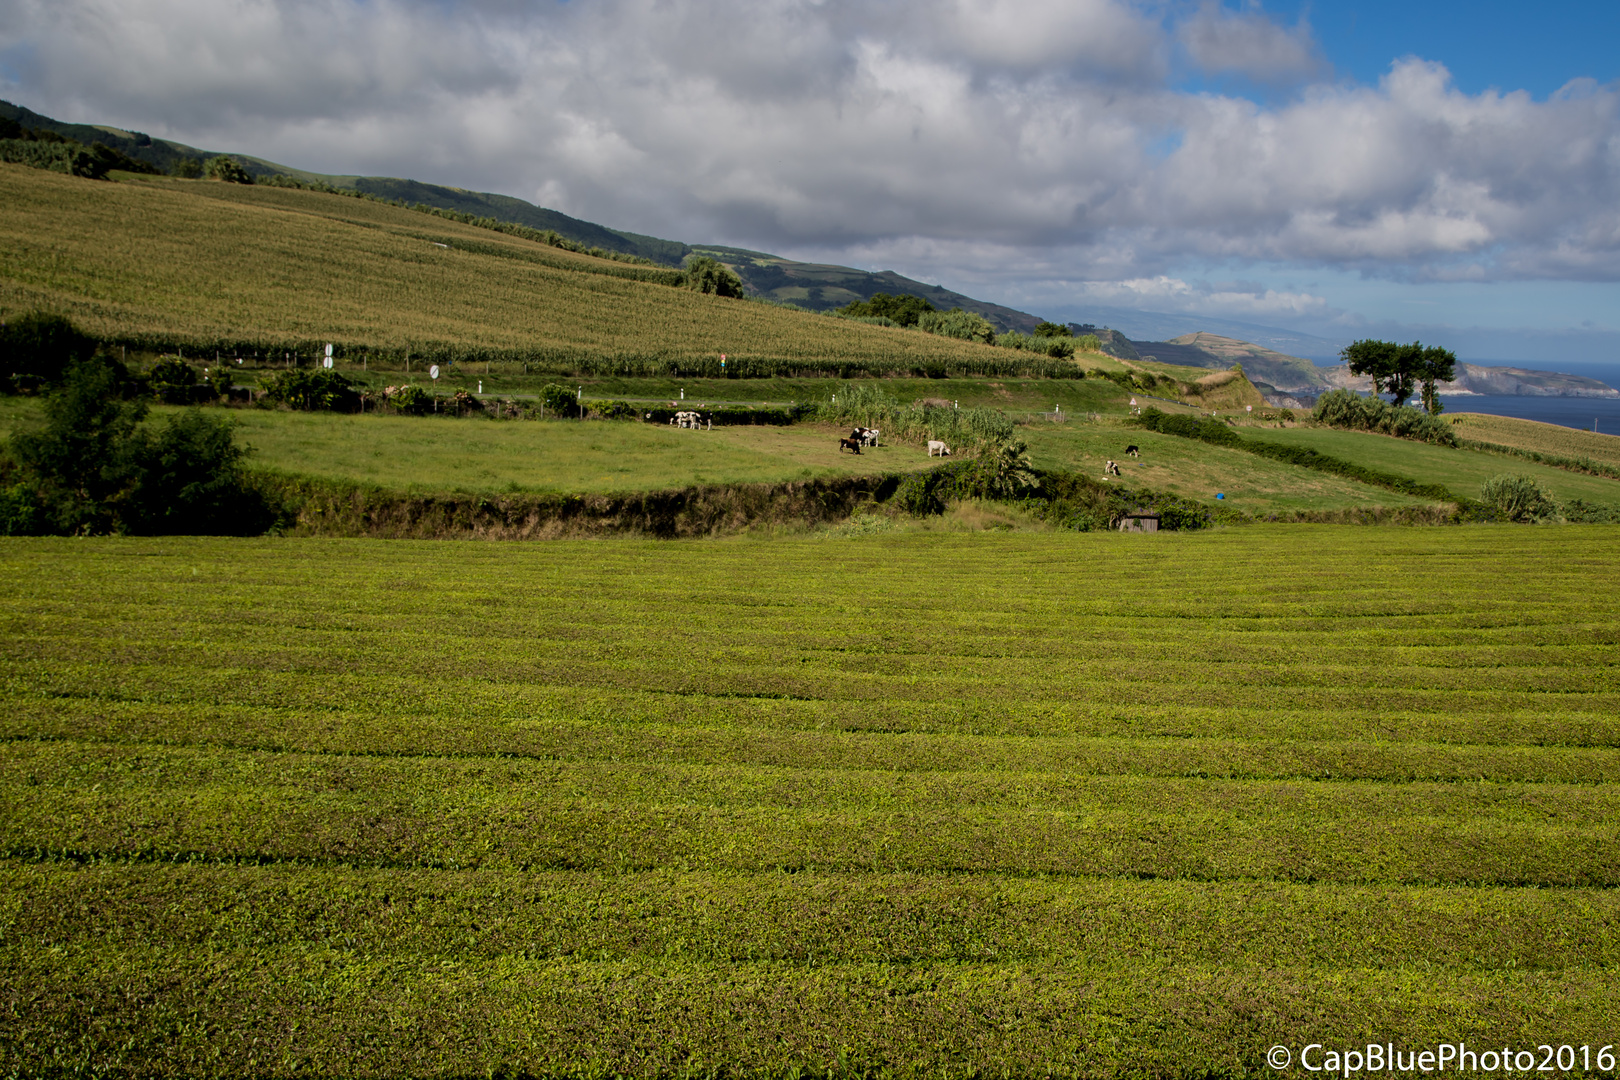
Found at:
<point>559,400</point>
<point>1344,409</point>
<point>187,168</point>
<point>706,275</point>
<point>410,400</point>
<point>1517,498</point>
<point>1088,343</point>
<point>318,390</point>
<point>227,169</point>
<point>92,469</point>
<point>957,323</point>
<point>174,382</point>
<point>189,481</point>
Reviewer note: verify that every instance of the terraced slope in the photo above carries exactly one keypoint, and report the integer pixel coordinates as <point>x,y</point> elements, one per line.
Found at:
<point>212,265</point>
<point>1073,805</point>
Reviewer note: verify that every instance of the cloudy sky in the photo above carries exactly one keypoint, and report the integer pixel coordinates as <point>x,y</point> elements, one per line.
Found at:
<point>1340,167</point>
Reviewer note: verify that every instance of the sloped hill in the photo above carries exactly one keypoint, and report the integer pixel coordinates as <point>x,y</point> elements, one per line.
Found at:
<point>813,286</point>
<point>210,265</point>
<point>824,286</point>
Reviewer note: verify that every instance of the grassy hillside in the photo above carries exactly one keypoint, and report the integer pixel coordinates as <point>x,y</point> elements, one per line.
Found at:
<point>1199,470</point>
<point>203,263</point>
<point>1460,470</point>
<point>1553,439</point>
<point>1035,806</point>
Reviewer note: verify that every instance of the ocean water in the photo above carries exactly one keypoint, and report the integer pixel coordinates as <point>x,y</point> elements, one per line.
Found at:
<point>1592,414</point>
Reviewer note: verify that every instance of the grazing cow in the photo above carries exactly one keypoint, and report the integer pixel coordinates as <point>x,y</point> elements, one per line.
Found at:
<point>852,445</point>
<point>869,436</point>
<point>687,419</point>
<point>1132,451</point>
<point>1111,468</point>
<point>935,445</point>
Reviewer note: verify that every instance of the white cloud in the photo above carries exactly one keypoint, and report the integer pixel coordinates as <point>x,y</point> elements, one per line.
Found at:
<point>1017,146</point>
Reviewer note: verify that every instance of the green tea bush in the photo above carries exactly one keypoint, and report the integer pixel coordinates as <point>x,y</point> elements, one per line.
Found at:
<point>1345,409</point>
<point>1517,497</point>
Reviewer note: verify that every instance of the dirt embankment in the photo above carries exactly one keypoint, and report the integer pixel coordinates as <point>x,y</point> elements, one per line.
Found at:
<point>318,508</point>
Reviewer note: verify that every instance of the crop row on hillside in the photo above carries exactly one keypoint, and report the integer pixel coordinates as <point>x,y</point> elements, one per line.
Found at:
<point>1069,805</point>
<point>171,264</point>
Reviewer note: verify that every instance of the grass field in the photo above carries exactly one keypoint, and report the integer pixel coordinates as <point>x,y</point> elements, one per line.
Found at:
<point>1199,470</point>
<point>430,455</point>
<point>1064,805</point>
<point>1463,471</point>
<point>1543,438</point>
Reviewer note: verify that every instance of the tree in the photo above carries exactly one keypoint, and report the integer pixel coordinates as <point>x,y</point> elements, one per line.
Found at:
<point>1435,365</point>
<point>1391,373</point>
<point>94,469</point>
<point>227,169</point>
<point>706,275</point>
<point>904,309</point>
<point>83,463</point>
<point>1052,329</point>
<point>37,348</point>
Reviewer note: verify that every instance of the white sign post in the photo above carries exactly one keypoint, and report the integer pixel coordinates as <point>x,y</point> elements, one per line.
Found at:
<point>434,371</point>
<point>328,364</point>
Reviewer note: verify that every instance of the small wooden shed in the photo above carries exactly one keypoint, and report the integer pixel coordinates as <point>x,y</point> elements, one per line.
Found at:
<point>1139,522</point>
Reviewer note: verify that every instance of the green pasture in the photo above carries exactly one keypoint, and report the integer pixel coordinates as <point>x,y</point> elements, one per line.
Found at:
<point>1462,471</point>
<point>1197,469</point>
<point>1067,804</point>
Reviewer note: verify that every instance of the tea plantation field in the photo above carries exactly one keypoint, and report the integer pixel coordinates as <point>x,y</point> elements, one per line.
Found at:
<point>1078,804</point>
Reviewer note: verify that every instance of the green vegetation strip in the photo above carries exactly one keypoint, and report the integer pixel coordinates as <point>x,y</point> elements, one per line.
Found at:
<point>1212,431</point>
<point>1026,804</point>
<point>1558,461</point>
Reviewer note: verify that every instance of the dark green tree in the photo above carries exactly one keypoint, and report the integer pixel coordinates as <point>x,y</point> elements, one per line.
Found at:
<point>706,275</point>
<point>190,481</point>
<point>1434,365</point>
<point>227,169</point>
<point>1052,329</point>
<point>1393,367</point>
<point>37,348</point>
<point>84,462</point>
<point>904,309</point>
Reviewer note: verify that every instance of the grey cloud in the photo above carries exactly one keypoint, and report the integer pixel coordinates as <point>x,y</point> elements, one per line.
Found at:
<point>1247,43</point>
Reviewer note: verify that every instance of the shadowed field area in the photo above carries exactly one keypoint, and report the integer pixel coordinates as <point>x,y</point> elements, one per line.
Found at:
<point>1068,804</point>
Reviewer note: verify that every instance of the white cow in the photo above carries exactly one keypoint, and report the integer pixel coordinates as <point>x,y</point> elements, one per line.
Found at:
<point>936,445</point>
<point>687,420</point>
<point>869,436</point>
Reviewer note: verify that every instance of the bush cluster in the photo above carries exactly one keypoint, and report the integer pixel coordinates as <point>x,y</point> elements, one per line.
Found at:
<point>1344,409</point>
<point>44,149</point>
<point>94,469</point>
<point>1517,497</point>
<point>312,390</point>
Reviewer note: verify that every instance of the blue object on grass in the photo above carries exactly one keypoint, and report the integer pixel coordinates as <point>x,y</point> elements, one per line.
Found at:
<point>1220,495</point>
